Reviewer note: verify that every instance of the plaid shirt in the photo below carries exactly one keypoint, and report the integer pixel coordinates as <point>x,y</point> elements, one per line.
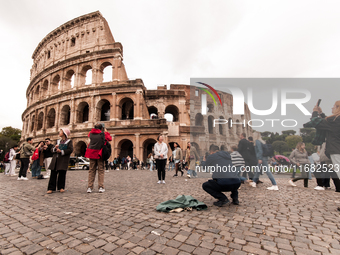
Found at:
<point>320,135</point>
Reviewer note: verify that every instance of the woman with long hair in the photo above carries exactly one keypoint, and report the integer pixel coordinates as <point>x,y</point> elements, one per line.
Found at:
<point>191,156</point>
<point>299,157</point>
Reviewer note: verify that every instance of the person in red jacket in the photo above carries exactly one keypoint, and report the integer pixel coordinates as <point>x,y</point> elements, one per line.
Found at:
<point>98,137</point>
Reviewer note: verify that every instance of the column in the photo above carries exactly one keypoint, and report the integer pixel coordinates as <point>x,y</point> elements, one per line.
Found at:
<point>137,112</point>
<point>93,110</point>
<point>56,121</point>
<point>73,113</point>
<point>113,110</point>
<point>114,150</point>
<point>137,146</point>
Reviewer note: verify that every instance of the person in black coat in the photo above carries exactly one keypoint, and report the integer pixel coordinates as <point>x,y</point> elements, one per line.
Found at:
<point>225,177</point>
<point>247,150</point>
<point>60,161</point>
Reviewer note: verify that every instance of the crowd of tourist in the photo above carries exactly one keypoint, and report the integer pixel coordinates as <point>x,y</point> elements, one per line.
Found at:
<point>244,163</point>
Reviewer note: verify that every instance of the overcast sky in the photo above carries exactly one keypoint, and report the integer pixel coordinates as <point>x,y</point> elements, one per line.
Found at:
<point>170,41</point>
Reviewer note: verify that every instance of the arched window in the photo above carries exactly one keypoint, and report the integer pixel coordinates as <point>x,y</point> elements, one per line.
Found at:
<point>40,120</point>
<point>153,112</point>
<point>69,79</point>
<point>88,77</point>
<point>106,70</point>
<point>210,107</point>
<point>127,107</point>
<point>104,110</point>
<point>83,112</point>
<point>37,94</point>
<point>199,120</point>
<point>56,83</point>
<point>211,124</point>
<point>65,115</point>
<point>33,123</point>
<point>44,88</point>
<point>172,110</point>
<point>51,118</point>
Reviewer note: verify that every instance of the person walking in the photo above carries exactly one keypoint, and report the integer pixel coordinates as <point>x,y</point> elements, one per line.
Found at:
<point>48,154</point>
<point>191,156</point>
<point>244,149</point>
<point>12,160</point>
<point>238,162</point>
<point>26,152</point>
<point>60,161</point>
<point>161,152</point>
<point>299,157</point>
<point>98,138</point>
<point>262,154</point>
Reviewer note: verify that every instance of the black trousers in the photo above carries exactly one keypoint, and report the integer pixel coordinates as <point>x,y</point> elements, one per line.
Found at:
<point>24,166</point>
<point>305,181</point>
<point>215,190</point>
<point>248,164</point>
<point>57,180</point>
<point>160,164</point>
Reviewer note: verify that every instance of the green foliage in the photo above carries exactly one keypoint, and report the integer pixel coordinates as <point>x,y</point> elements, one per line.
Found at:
<point>289,132</point>
<point>280,146</point>
<point>9,137</point>
<point>293,140</point>
<point>310,148</point>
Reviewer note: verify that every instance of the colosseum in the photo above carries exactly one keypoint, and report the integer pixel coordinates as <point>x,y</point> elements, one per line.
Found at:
<point>78,79</point>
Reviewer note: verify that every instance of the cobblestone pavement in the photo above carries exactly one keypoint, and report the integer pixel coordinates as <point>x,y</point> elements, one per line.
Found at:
<point>123,220</point>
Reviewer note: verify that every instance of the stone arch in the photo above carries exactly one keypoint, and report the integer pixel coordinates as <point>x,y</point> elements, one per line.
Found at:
<point>40,120</point>
<point>86,75</point>
<point>83,112</point>
<point>172,110</point>
<point>37,93</point>
<point>125,147</point>
<point>211,124</point>
<point>106,72</point>
<point>44,88</point>
<point>126,106</point>
<point>65,115</point>
<point>148,145</point>
<point>33,123</point>
<point>69,79</point>
<point>80,149</point>
<point>55,84</point>
<point>210,108</point>
<point>153,112</point>
<point>199,120</point>
<point>51,118</point>
<point>103,110</point>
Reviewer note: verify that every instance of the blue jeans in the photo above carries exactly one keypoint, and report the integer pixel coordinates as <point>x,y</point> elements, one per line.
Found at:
<point>151,165</point>
<point>266,168</point>
<point>171,165</point>
<point>238,170</point>
<point>36,168</point>
<point>192,173</point>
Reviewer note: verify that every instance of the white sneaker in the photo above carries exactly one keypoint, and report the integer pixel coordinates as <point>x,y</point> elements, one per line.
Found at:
<point>89,190</point>
<point>159,182</point>
<point>101,190</point>
<point>163,182</point>
<point>319,188</point>
<point>188,175</point>
<point>253,184</point>
<point>274,187</point>
<point>24,178</point>
<point>292,183</point>
<point>19,179</point>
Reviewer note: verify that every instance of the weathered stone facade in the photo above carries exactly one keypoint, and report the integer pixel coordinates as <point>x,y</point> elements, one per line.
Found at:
<point>60,94</point>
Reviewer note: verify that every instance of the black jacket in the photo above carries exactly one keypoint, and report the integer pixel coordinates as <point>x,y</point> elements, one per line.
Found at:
<point>332,128</point>
<point>247,150</point>
<point>226,174</point>
<point>48,152</point>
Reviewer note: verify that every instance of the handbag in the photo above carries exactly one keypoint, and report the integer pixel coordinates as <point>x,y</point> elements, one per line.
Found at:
<point>35,155</point>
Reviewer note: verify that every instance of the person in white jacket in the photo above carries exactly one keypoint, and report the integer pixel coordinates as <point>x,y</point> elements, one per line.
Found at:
<point>12,160</point>
<point>161,153</point>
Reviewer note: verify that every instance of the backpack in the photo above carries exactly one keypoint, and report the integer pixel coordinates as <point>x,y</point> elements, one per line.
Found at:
<point>267,150</point>
<point>6,159</point>
<point>106,152</point>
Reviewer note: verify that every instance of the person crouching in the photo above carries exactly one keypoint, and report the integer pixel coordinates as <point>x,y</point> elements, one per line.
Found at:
<point>223,180</point>
<point>60,161</point>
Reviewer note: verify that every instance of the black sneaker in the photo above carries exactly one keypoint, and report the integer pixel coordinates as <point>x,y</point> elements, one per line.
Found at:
<point>220,203</point>
<point>258,182</point>
<point>175,175</point>
<point>236,202</point>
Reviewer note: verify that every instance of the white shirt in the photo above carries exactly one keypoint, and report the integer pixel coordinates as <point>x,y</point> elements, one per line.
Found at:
<point>161,149</point>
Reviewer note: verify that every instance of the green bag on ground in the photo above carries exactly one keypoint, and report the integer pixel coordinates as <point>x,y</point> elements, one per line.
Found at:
<point>182,201</point>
